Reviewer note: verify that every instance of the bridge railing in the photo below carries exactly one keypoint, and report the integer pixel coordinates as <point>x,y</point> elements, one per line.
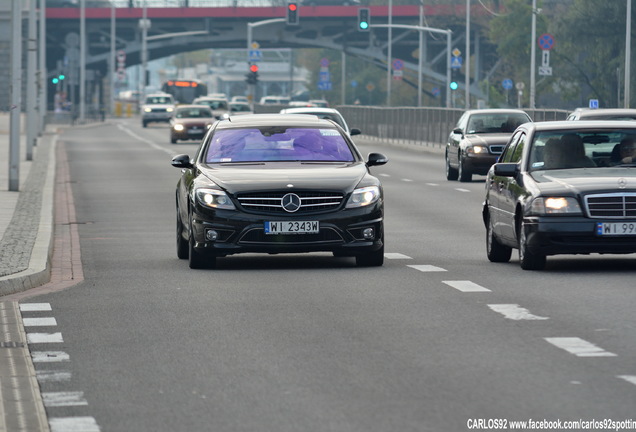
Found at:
<point>424,126</point>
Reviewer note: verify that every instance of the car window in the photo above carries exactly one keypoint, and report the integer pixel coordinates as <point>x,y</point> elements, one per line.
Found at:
<point>495,123</point>
<point>194,113</point>
<point>159,100</point>
<point>292,144</point>
<point>509,151</point>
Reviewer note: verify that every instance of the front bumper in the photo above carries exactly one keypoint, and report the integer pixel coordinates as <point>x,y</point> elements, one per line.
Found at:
<point>574,235</point>
<point>479,164</point>
<point>238,232</point>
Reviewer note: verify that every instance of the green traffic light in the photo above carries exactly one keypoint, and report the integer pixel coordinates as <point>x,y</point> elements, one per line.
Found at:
<point>55,80</point>
<point>364,25</point>
<point>61,77</point>
<point>454,85</point>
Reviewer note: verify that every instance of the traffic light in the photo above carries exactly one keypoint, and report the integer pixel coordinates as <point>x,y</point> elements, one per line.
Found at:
<point>292,13</point>
<point>453,85</point>
<point>252,76</point>
<point>58,79</point>
<point>364,19</point>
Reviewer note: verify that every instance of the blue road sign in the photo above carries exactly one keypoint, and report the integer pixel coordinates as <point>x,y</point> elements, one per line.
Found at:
<point>507,84</point>
<point>594,103</point>
<point>546,41</point>
<point>398,64</point>
<point>324,85</point>
<point>255,55</point>
<point>456,62</point>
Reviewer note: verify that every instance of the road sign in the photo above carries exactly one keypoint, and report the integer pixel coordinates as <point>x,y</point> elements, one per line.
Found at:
<point>545,71</point>
<point>354,83</point>
<point>456,62</point>
<point>398,74</point>
<point>255,55</point>
<point>456,52</point>
<point>324,62</point>
<point>520,86</point>
<point>546,41</point>
<point>397,64</point>
<point>507,84</point>
<point>324,76</point>
<point>370,87</point>
<point>324,85</point>
<point>436,91</point>
<point>593,103</point>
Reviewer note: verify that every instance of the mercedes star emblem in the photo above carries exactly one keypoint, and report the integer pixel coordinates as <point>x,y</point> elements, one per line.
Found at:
<point>290,202</point>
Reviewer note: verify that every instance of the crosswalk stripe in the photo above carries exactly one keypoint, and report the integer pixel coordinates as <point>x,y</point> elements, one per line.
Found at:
<point>427,268</point>
<point>60,399</point>
<point>466,286</point>
<point>35,307</point>
<point>49,356</point>
<point>34,338</point>
<point>579,347</point>
<point>39,322</point>
<point>515,312</point>
<point>73,424</point>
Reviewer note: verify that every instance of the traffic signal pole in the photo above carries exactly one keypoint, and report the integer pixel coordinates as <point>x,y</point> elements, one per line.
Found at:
<point>250,26</point>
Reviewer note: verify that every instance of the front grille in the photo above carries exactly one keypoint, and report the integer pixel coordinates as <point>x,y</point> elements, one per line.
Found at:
<point>271,203</point>
<point>158,110</point>
<point>326,235</point>
<point>496,149</point>
<point>615,205</point>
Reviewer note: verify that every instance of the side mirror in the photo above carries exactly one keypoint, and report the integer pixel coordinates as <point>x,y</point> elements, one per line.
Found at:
<point>376,159</point>
<point>458,131</point>
<point>181,161</point>
<point>354,131</point>
<point>506,169</point>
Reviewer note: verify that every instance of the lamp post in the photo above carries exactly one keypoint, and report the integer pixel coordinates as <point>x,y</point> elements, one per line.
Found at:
<point>533,54</point>
<point>144,25</point>
<point>628,51</point>
<point>467,62</point>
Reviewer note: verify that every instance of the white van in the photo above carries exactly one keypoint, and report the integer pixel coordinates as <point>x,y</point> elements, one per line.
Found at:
<point>274,100</point>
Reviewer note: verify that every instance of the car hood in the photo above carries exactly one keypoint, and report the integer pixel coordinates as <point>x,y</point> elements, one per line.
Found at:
<point>488,139</point>
<point>164,106</point>
<point>194,121</point>
<point>256,177</point>
<point>587,181</point>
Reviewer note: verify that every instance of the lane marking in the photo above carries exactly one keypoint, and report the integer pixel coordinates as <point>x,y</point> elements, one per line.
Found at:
<point>579,347</point>
<point>427,268</point>
<point>35,307</point>
<point>515,312</point>
<point>61,399</point>
<point>33,338</point>
<point>73,424</point>
<point>144,140</point>
<point>462,190</point>
<point>39,322</point>
<point>407,180</point>
<point>393,255</point>
<point>49,356</point>
<point>385,175</point>
<point>466,286</point>
<point>628,378</point>
<point>52,376</point>
<point>432,184</point>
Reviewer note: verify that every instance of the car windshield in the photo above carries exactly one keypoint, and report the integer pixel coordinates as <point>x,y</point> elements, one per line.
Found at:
<point>239,107</point>
<point>267,145</point>
<point>495,123</point>
<point>582,149</point>
<point>159,100</point>
<point>214,104</point>
<point>194,113</point>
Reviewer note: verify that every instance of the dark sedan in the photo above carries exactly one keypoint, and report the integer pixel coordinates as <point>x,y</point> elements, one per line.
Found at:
<point>190,122</point>
<point>276,183</point>
<point>559,189</point>
<point>478,139</point>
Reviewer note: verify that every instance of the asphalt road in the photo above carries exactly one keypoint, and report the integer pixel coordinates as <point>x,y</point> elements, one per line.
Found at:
<point>435,340</point>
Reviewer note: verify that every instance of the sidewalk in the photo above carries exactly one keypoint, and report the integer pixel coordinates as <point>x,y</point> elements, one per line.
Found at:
<point>26,215</point>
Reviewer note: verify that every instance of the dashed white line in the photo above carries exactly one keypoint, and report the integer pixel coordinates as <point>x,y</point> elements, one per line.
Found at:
<point>49,356</point>
<point>628,378</point>
<point>431,184</point>
<point>427,268</point>
<point>34,338</point>
<point>59,399</point>
<point>515,312</point>
<point>466,286</point>
<point>393,255</point>
<point>52,376</point>
<point>35,307</point>
<point>462,190</point>
<point>407,180</point>
<point>39,322</point>
<point>579,347</point>
<point>73,424</point>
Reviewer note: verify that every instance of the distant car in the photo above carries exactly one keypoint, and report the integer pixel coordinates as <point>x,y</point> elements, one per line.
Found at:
<point>239,99</point>
<point>555,191</point>
<point>272,183</point>
<point>240,108</point>
<point>190,122</point>
<point>157,108</point>
<point>477,140</point>
<point>274,100</point>
<point>324,113</point>
<point>603,114</point>
<point>319,103</point>
<point>220,106</point>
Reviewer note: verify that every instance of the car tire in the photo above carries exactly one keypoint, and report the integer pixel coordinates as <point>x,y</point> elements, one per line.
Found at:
<point>495,251</point>
<point>371,259</point>
<point>199,260</point>
<point>527,259</point>
<point>144,124</point>
<point>451,173</point>
<point>464,174</point>
<point>173,140</point>
<point>183,251</point>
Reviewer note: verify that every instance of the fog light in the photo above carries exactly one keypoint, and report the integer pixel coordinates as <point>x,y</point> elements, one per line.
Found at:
<point>211,235</point>
<point>368,233</point>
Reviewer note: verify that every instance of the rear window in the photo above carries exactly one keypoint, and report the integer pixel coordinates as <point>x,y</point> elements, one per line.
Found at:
<point>267,145</point>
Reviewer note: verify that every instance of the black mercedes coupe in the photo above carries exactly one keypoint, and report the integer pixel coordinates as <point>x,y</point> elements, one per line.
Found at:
<point>275,183</point>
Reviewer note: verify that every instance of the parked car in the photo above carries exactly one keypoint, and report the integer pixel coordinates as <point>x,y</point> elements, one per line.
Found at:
<point>603,114</point>
<point>275,183</point>
<point>190,122</point>
<point>477,140</point>
<point>324,113</point>
<point>556,190</point>
<point>157,108</point>
<point>220,106</point>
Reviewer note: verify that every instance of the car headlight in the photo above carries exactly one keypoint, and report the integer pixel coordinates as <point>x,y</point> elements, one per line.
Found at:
<point>178,127</point>
<point>214,198</point>
<point>555,205</point>
<point>148,109</point>
<point>477,149</point>
<point>169,109</point>
<point>363,197</point>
